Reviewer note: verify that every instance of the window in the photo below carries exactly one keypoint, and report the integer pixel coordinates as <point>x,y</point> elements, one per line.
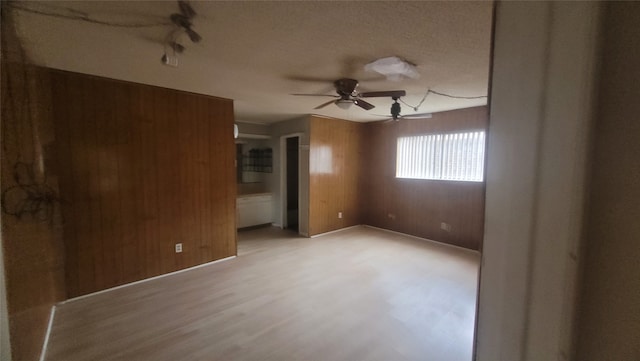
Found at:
<point>454,156</point>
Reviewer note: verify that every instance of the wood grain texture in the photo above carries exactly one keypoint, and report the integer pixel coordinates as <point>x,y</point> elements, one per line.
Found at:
<point>418,207</point>
<point>142,168</point>
<point>335,152</point>
<point>383,296</point>
<point>32,246</point>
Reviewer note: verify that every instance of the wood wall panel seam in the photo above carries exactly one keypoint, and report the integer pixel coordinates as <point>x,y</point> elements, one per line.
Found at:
<point>363,186</point>
<point>144,146</point>
<point>419,206</point>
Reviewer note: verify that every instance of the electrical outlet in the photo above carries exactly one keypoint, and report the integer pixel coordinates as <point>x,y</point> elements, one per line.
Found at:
<point>178,247</point>
<point>339,214</point>
<point>445,226</point>
<point>392,216</point>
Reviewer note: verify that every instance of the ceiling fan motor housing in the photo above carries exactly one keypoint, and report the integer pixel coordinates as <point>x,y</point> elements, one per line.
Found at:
<point>346,87</point>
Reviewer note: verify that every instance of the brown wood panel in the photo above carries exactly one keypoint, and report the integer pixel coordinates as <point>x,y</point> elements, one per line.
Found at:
<point>335,151</point>
<point>142,168</point>
<point>32,246</point>
<point>418,207</point>
<point>352,193</point>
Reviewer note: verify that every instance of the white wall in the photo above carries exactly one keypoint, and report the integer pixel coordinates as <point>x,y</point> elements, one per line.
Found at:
<point>540,110</point>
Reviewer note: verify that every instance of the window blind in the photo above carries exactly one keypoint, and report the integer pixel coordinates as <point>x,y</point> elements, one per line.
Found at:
<point>452,156</point>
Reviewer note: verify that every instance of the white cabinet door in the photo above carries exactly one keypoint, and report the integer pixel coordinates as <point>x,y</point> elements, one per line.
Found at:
<point>254,210</point>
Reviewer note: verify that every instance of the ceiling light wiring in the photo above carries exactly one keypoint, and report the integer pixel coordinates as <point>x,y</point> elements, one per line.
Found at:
<point>455,96</point>
<point>72,14</point>
<point>429,91</point>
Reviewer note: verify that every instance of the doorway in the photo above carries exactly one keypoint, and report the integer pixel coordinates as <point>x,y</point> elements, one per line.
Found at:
<point>292,182</point>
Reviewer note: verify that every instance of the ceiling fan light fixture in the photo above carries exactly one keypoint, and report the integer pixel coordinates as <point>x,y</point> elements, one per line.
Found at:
<point>344,104</point>
<point>177,47</point>
<point>394,68</point>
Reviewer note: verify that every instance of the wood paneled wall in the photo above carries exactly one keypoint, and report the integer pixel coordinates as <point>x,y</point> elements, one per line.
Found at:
<point>33,248</point>
<point>141,169</point>
<point>335,153</point>
<point>32,245</point>
<point>418,207</point>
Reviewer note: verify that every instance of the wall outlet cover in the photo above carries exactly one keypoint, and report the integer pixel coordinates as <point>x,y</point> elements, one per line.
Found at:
<point>445,226</point>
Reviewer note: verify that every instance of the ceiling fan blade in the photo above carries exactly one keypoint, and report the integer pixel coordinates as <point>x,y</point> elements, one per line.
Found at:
<point>180,20</point>
<point>388,93</point>
<point>324,104</point>
<point>362,104</point>
<point>417,116</point>
<point>186,9</point>
<point>384,121</point>
<point>195,37</point>
<point>316,95</point>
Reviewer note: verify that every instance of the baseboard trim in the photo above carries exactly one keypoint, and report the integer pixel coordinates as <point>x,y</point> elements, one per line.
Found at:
<point>335,231</point>
<point>423,239</point>
<point>146,280</point>
<point>45,344</point>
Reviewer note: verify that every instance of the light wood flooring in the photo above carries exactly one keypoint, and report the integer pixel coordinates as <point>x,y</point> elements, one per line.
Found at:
<point>358,294</point>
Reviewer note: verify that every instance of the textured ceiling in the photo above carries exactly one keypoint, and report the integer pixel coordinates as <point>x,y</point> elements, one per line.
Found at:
<point>259,53</point>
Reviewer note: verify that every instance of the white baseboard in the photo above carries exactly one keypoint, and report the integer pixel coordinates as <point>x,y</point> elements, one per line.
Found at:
<point>277,225</point>
<point>45,344</point>
<point>336,231</point>
<point>146,280</point>
<point>424,239</point>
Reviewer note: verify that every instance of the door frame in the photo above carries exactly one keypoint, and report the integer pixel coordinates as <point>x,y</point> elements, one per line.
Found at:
<point>283,176</point>
<point>543,87</point>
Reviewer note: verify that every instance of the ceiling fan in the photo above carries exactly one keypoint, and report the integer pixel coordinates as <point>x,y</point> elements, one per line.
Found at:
<point>183,21</point>
<point>347,95</point>
<point>395,113</point>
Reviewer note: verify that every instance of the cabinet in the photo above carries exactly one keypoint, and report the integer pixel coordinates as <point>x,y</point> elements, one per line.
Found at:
<point>254,209</point>
<point>258,160</point>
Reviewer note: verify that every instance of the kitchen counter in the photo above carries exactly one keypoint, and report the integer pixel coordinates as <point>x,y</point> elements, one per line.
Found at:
<point>254,194</point>
<point>254,209</point>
